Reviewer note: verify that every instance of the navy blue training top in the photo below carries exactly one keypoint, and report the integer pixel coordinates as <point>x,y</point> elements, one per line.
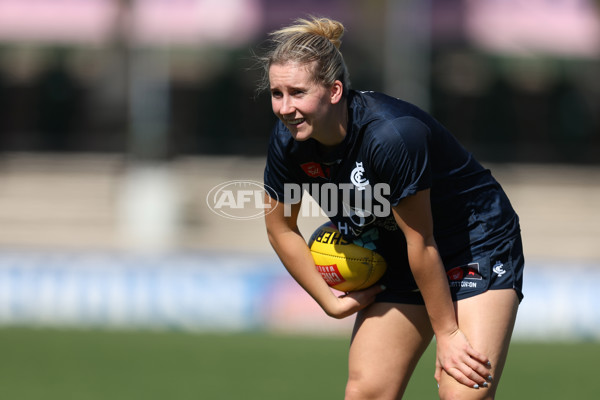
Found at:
<point>392,150</point>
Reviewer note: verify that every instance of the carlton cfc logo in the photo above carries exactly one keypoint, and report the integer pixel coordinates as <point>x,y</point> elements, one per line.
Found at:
<point>356,176</point>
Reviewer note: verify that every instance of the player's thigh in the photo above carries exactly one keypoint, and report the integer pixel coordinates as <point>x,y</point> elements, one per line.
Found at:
<point>487,320</point>
<point>387,342</point>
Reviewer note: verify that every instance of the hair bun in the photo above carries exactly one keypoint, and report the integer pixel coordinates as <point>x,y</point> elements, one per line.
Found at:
<point>326,27</point>
<point>329,28</point>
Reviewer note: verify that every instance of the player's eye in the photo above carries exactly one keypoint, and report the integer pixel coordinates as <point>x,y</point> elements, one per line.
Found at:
<point>276,94</point>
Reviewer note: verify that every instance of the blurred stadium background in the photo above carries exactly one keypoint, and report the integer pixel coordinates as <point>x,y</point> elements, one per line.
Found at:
<point>117,117</point>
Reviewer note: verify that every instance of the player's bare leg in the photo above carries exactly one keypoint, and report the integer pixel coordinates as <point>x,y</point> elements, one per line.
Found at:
<point>487,320</point>
<point>387,342</point>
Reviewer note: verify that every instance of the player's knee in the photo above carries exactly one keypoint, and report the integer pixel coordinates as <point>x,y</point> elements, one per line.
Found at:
<point>455,392</point>
<point>363,389</point>
<point>356,390</point>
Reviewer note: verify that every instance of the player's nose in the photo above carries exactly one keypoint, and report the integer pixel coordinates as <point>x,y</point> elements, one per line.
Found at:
<point>287,106</point>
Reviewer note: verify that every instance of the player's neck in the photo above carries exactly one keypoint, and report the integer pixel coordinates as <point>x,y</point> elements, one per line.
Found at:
<point>339,126</point>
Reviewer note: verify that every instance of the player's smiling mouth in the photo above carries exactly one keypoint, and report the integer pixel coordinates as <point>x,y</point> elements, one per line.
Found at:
<point>295,122</point>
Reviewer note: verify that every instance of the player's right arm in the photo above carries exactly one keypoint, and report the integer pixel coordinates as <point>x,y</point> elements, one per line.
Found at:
<point>290,246</point>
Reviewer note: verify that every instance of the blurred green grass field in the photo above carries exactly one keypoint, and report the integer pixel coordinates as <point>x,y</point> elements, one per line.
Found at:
<point>88,365</point>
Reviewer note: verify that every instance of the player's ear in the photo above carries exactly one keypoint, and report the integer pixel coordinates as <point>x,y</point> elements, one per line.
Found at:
<point>336,91</point>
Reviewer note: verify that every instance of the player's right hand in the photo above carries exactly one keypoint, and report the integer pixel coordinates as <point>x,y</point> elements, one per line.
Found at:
<point>352,302</point>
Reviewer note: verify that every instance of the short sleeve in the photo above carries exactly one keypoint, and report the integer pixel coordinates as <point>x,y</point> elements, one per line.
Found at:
<point>400,157</point>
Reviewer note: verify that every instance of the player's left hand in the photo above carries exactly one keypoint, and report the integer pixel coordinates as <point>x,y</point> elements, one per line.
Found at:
<point>458,359</point>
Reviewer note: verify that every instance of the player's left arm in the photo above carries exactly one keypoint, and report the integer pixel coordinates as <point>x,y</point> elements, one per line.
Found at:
<point>454,354</point>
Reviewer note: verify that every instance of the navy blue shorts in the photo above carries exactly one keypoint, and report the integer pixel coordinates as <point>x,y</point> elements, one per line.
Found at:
<point>499,268</point>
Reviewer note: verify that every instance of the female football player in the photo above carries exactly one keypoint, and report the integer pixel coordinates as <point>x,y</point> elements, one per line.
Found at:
<point>446,228</point>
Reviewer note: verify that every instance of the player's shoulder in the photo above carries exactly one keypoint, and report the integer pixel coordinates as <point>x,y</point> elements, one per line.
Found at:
<point>383,118</point>
<point>279,132</point>
<point>374,110</point>
<point>280,138</point>
<point>376,105</point>
<point>282,144</point>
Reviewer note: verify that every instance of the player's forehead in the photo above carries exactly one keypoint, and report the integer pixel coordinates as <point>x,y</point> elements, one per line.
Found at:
<point>291,74</point>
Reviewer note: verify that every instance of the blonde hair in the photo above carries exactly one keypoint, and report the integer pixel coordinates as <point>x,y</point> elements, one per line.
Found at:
<point>310,40</point>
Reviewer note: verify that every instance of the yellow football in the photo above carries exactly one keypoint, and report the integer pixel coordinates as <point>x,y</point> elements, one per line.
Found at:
<point>344,265</point>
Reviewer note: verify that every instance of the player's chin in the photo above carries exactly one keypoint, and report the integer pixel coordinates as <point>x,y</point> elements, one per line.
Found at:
<point>300,135</point>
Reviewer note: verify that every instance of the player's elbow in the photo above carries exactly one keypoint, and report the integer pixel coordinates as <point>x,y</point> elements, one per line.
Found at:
<point>421,244</point>
<point>272,235</point>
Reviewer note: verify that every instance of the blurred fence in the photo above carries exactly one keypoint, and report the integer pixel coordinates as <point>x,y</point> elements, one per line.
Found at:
<point>216,292</point>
